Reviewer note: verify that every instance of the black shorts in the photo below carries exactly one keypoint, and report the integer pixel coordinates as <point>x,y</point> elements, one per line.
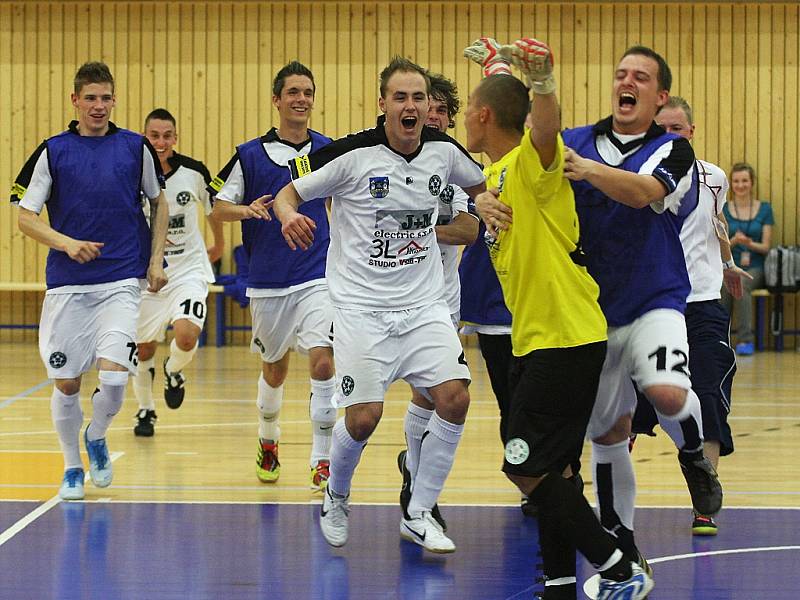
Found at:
<point>552,395</point>
<point>712,364</point>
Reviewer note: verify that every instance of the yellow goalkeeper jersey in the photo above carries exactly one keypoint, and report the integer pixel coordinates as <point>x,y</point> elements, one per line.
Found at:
<point>552,299</point>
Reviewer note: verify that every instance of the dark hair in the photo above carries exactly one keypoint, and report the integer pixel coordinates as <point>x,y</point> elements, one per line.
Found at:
<point>92,72</point>
<point>400,64</point>
<point>293,68</point>
<point>444,90</point>
<point>743,166</point>
<point>678,102</point>
<point>162,114</point>
<point>507,97</point>
<point>664,73</point>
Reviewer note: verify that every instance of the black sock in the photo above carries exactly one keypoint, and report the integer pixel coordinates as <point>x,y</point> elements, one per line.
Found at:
<point>562,505</point>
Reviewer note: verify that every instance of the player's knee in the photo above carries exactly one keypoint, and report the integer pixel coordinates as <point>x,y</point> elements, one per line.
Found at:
<point>68,387</point>
<point>321,365</point>
<point>620,431</point>
<point>454,405</point>
<point>361,420</point>
<point>274,373</point>
<point>186,341</point>
<point>146,351</point>
<point>667,399</point>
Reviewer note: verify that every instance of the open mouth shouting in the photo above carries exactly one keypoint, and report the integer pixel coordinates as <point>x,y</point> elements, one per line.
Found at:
<point>409,123</point>
<point>627,101</point>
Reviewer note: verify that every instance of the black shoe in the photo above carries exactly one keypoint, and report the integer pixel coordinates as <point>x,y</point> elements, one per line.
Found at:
<point>405,492</point>
<point>703,483</point>
<point>529,509</point>
<point>173,387</point>
<point>146,423</point>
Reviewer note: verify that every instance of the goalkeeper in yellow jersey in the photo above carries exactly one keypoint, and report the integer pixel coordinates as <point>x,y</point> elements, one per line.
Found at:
<point>558,331</point>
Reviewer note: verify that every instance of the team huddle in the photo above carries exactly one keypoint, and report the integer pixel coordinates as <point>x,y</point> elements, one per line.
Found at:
<point>592,274</point>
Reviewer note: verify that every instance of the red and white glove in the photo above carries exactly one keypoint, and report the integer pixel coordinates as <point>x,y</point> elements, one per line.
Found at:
<point>495,59</point>
<point>535,60</point>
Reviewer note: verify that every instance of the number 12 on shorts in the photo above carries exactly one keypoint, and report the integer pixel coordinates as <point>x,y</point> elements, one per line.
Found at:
<point>661,360</point>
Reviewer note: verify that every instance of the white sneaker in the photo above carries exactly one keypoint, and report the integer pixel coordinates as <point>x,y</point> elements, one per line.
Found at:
<point>426,532</point>
<point>635,588</point>
<point>333,518</point>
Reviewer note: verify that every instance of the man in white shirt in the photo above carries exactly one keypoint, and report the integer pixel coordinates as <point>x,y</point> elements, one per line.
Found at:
<point>385,281</point>
<point>182,302</point>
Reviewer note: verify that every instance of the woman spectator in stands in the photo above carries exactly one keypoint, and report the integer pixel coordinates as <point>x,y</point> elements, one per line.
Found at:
<point>750,229</point>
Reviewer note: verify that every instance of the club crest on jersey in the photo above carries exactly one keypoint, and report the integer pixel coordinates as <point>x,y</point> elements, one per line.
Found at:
<point>348,385</point>
<point>57,360</point>
<point>435,185</point>
<point>379,187</point>
<point>446,196</point>
<point>183,198</point>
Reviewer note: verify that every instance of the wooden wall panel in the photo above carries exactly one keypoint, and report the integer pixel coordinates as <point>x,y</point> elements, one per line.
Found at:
<point>212,64</point>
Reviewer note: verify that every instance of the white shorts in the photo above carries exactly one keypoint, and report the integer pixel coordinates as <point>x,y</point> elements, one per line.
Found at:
<point>653,350</point>
<point>300,321</point>
<point>186,300</point>
<point>77,329</point>
<point>374,349</point>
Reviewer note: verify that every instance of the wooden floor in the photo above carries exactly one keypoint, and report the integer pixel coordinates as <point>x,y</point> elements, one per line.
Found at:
<point>206,450</point>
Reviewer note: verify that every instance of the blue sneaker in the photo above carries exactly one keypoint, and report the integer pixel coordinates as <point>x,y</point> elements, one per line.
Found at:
<point>99,461</point>
<point>635,588</point>
<point>744,348</point>
<point>72,486</point>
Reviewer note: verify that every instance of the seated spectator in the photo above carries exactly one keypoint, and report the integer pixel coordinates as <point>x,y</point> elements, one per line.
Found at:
<point>750,229</point>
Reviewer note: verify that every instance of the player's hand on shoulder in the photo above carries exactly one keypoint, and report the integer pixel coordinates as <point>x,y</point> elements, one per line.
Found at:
<point>298,231</point>
<point>576,167</point>
<point>496,215</point>
<point>259,208</point>
<point>82,251</point>
<point>156,278</point>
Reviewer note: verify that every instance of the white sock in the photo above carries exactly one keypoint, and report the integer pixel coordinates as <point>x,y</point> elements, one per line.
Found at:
<point>143,385</point>
<point>414,425</point>
<point>178,358</point>
<point>106,402</point>
<point>614,484</point>
<point>437,452</point>
<point>323,418</point>
<point>68,419</point>
<point>686,427</point>
<point>345,454</point>
<point>269,407</point>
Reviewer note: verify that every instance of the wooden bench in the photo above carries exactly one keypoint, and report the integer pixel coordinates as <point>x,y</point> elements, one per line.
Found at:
<point>15,286</point>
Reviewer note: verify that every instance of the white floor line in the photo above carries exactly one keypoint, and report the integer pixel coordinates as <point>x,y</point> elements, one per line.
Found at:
<point>40,510</point>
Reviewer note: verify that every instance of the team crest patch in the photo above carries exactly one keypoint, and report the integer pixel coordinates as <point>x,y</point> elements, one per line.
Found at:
<point>435,185</point>
<point>379,187</point>
<point>57,360</point>
<point>517,451</point>
<point>348,385</point>
<point>446,196</point>
<point>183,198</point>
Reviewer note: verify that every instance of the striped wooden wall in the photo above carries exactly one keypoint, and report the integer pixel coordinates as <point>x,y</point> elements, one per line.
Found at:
<point>212,63</point>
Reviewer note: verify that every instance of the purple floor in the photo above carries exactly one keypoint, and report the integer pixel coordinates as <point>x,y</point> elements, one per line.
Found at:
<point>118,551</point>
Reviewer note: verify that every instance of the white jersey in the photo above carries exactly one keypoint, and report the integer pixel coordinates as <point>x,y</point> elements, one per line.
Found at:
<point>699,237</point>
<point>383,253</point>
<point>186,194</point>
<point>452,202</point>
